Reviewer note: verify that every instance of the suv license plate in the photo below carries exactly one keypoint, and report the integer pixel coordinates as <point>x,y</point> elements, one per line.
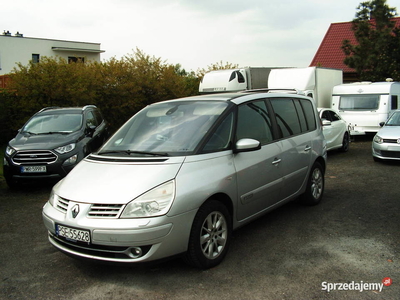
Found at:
<point>33,169</point>
<point>73,234</point>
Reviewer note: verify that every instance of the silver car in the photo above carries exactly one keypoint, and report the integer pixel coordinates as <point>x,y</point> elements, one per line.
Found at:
<point>386,142</point>
<point>180,175</point>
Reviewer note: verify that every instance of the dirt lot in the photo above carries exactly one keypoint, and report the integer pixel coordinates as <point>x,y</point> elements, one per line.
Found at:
<point>295,252</point>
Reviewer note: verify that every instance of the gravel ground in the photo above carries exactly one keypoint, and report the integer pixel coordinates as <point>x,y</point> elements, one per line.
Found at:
<point>294,252</point>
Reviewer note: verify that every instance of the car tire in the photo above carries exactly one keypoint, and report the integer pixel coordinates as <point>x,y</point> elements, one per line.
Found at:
<point>315,186</point>
<point>210,235</point>
<point>345,143</point>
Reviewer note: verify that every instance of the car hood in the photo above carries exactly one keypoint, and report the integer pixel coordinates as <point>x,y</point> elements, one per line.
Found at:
<point>117,182</point>
<point>389,132</point>
<point>42,141</point>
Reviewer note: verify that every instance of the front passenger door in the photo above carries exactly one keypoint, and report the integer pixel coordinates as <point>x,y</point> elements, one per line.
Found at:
<point>258,172</point>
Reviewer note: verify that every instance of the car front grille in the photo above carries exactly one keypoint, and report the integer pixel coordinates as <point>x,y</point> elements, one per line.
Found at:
<point>390,141</point>
<point>34,157</point>
<point>390,154</point>
<point>105,210</point>
<point>62,204</point>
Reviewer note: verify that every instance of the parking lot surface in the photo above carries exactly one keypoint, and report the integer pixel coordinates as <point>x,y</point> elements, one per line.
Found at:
<point>348,243</point>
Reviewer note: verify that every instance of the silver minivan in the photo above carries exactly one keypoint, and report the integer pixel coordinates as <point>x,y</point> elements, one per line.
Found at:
<point>180,175</point>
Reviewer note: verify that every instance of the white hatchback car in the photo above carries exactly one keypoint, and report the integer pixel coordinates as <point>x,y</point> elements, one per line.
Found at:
<point>335,130</point>
<point>386,143</point>
<point>180,175</point>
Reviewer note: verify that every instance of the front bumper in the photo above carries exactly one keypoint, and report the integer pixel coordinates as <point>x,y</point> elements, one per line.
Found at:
<point>386,151</point>
<point>122,240</point>
<point>54,170</point>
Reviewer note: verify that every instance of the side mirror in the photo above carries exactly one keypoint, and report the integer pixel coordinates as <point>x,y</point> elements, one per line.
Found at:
<point>381,124</point>
<point>246,145</point>
<point>326,122</point>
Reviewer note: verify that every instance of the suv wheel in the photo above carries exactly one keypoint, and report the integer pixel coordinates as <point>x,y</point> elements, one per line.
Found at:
<point>315,186</point>
<point>210,235</point>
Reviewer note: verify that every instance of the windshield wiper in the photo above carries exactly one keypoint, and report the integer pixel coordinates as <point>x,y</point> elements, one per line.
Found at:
<point>28,132</point>
<point>129,152</point>
<point>54,132</point>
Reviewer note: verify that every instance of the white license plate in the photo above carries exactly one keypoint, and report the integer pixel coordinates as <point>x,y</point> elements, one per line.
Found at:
<point>33,169</point>
<point>73,234</point>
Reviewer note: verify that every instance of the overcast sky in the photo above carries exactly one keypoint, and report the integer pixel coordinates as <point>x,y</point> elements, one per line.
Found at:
<point>193,33</point>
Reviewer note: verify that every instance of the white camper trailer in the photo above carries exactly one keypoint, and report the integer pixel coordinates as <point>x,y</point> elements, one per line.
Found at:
<point>234,80</point>
<point>363,105</point>
<point>314,82</point>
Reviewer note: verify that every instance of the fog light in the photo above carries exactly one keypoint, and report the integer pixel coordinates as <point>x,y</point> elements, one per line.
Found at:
<point>136,252</point>
<point>71,161</point>
<point>5,162</point>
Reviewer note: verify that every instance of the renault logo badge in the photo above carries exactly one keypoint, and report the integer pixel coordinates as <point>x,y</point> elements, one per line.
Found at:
<point>75,210</point>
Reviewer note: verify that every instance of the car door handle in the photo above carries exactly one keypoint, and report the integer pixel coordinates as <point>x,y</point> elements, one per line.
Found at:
<point>308,148</point>
<point>276,161</point>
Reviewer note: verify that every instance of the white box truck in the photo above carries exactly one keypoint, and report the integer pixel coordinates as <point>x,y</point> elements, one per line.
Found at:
<point>363,105</point>
<point>235,80</point>
<point>314,82</point>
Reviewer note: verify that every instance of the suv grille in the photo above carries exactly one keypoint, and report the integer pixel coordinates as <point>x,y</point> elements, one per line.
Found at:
<point>105,210</point>
<point>34,157</point>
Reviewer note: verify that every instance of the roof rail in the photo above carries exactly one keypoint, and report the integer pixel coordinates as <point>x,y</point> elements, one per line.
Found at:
<point>266,90</point>
<point>89,106</point>
<point>47,108</point>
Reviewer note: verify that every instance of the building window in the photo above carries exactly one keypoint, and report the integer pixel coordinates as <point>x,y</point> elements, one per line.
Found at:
<point>35,58</point>
<point>74,59</point>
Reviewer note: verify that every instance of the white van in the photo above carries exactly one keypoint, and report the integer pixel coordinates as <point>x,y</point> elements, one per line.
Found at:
<point>363,105</point>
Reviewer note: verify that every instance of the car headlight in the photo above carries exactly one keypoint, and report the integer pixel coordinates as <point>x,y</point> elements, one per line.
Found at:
<point>53,199</point>
<point>65,149</point>
<point>378,139</point>
<point>10,150</point>
<point>155,202</point>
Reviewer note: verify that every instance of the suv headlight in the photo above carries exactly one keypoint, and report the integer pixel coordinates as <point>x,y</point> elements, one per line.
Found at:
<point>155,202</point>
<point>378,139</point>
<point>65,149</point>
<point>10,150</point>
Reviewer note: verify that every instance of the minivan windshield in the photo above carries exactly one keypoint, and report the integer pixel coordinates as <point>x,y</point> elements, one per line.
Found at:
<point>53,123</point>
<point>170,128</point>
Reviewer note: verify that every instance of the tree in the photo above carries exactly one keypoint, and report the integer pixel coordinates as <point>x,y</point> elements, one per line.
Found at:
<point>376,55</point>
<point>118,87</point>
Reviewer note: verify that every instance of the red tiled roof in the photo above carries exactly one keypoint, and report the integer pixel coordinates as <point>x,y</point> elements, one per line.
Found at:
<point>330,53</point>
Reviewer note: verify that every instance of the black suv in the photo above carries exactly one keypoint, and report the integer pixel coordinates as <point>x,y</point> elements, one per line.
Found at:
<point>52,142</point>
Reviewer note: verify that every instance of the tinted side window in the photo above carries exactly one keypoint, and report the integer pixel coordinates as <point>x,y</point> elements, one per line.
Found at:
<point>254,122</point>
<point>286,116</point>
<point>91,119</point>
<point>300,113</point>
<point>309,114</point>
<point>334,116</point>
<point>394,102</point>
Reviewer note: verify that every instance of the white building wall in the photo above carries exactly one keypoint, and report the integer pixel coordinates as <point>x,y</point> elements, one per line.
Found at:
<point>18,49</point>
